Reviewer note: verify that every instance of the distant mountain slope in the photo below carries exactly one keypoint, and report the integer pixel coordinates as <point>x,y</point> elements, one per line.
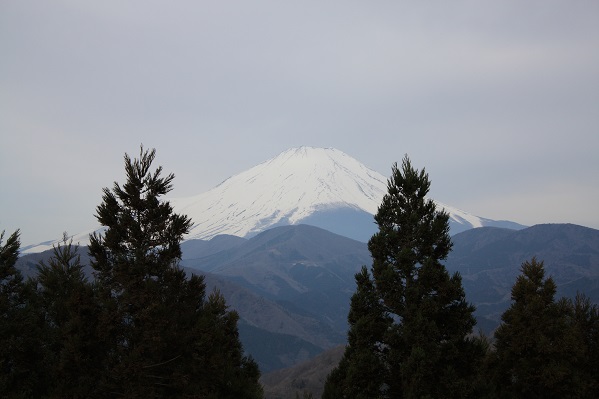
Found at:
<point>308,376</point>
<point>489,261</point>
<point>271,315</point>
<point>275,334</point>
<point>200,248</point>
<point>291,285</point>
<point>313,270</point>
<point>275,351</point>
<point>304,267</point>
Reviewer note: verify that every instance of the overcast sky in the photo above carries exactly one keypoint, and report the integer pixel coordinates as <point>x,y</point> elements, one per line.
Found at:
<point>498,100</point>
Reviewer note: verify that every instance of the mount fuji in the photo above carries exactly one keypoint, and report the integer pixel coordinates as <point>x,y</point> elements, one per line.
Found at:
<point>323,187</point>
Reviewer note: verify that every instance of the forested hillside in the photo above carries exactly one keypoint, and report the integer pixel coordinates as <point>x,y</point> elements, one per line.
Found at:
<point>142,328</point>
<point>139,311</point>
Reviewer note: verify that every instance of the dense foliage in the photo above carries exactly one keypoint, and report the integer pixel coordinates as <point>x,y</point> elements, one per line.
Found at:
<point>411,327</point>
<point>22,367</point>
<point>409,323</point>
<point>544,348</point>
<point>141,329</point>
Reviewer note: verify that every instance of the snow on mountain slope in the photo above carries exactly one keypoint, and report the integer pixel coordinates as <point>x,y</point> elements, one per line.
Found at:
<point>283,190</point>
<point>290,188</point>
<point>78,239</point>
<point>295,186</point>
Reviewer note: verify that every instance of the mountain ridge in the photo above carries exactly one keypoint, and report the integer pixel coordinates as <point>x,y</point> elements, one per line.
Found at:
<point>291,285</point>
<point>489,260</point>
<point>306,267</point>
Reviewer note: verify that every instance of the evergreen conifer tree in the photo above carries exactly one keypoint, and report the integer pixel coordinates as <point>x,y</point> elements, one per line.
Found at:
<point>584,327</point>
<point>22,353</point>
<point>334,386</point>
<point>11,287</point>
<point>429,350</point>
<point>154,318</point>
<point>538,347</point>
<point>425,349</point>
<point>68,303</point>
<point>226,373</point>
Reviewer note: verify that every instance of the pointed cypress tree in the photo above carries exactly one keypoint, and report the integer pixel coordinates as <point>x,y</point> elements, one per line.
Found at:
<point>153,315</point>
<point>426,349</point>
<point>429,351</point>
<point>536,348</point>
<point>136,266</point>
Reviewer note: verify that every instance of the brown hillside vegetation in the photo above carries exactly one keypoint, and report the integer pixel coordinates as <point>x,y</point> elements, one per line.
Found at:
<point>308,376</point>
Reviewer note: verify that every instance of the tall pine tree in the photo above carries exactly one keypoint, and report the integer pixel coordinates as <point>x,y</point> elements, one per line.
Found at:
<point>155,319</point>
<point>425,350</point>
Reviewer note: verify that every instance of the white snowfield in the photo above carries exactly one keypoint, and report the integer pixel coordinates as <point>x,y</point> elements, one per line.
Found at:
<point>283,190</point>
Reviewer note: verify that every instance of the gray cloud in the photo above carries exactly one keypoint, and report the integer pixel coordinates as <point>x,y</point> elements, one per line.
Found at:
<point>498,100</point>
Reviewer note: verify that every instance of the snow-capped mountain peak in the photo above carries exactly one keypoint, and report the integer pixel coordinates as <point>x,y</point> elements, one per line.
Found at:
<point>301,185</point>
<point>284,190</point>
